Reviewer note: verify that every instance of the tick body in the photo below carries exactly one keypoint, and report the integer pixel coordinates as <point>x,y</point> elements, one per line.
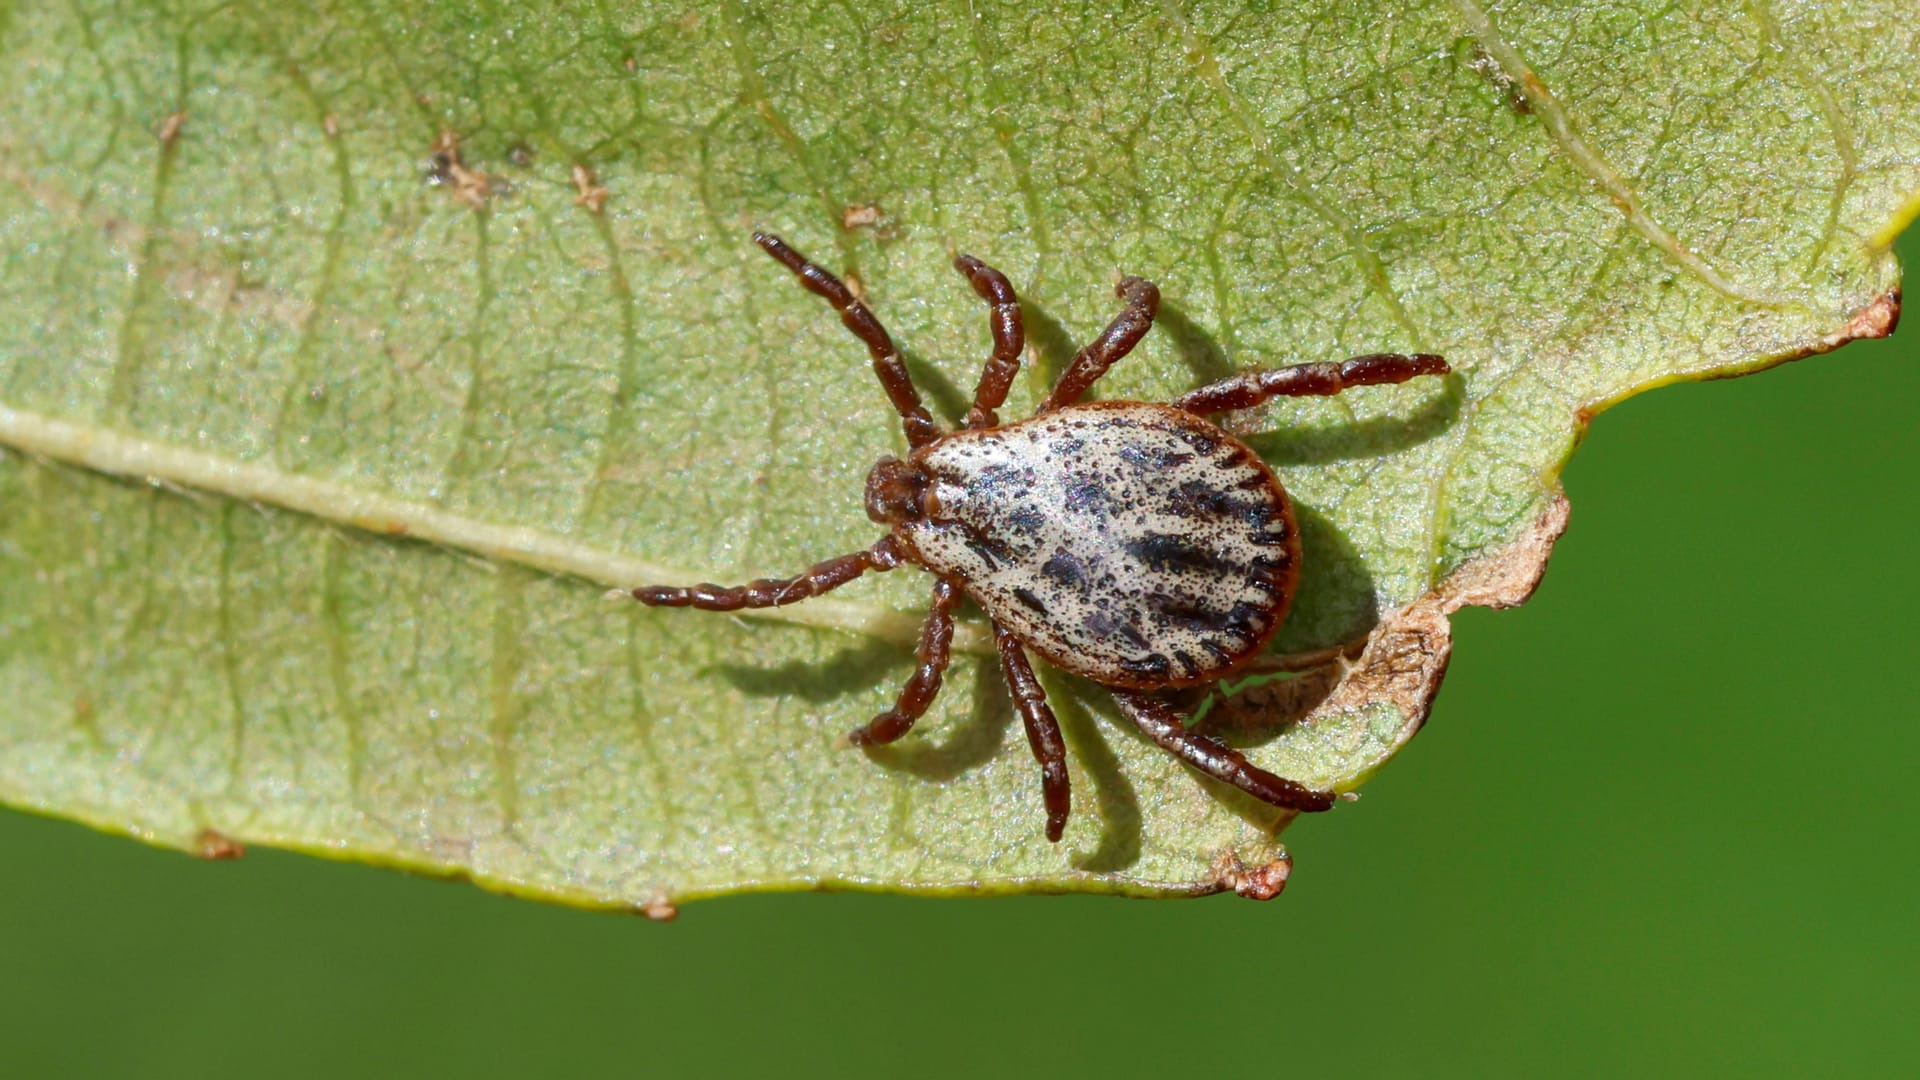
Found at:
<point>1138,545</point>
<point>1134,544</point>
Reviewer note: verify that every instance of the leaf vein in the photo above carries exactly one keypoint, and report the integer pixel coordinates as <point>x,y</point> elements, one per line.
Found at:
<point>149,460</point>
<point>1595,166</point>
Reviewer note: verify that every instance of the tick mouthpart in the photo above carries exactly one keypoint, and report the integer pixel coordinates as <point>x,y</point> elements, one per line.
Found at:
<point>896,491</point>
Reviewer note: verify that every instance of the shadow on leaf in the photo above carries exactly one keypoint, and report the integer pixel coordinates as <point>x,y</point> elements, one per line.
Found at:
<point>966,745</point>
<point>1335,600</point>
<point>856,668</point>
<point>1115,802</point>
<point>1197,348</point>
<point>1048,339</point>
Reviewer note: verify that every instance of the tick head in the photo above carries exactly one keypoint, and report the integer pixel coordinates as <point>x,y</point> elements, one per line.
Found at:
<point>896,491</point>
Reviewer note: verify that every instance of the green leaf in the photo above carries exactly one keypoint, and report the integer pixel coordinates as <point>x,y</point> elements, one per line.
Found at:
<point>318,451</point>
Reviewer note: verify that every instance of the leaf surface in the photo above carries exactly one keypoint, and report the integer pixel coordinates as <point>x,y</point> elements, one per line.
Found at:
<point>348,354</point>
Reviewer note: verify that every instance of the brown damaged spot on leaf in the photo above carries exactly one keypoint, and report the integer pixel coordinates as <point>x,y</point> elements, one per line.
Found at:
<point>1406,655</point>
<point>1877,320</point>
<point>659,907</point>
<point>215,845</point>
<point>1401,662</point>
<point>859,217</point>
<point>470,187</point>
<point>1402,659</point>
<point>587,191</point>
<point>1262,882</point>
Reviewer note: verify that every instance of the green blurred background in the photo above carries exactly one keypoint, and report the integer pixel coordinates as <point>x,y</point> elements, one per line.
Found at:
<point>1660,822</point>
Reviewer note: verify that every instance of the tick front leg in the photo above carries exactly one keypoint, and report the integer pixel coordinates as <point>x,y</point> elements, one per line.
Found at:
<point>1117,340</point>
<point>936,635</point>
<point>886,359</point>
<point>1009,337</point>
<point>1248,389</point>
<point>773,592</point>
<point>1167,728</point>
<point>1043,730</point>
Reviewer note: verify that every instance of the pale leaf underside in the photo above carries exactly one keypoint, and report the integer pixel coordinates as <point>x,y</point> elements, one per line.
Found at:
<point>349,354</point>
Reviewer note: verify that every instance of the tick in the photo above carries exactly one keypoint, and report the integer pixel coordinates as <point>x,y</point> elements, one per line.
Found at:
<point>1135,544</point>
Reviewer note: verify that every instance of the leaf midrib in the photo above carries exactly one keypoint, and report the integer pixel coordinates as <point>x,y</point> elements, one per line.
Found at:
<point>163,464</point>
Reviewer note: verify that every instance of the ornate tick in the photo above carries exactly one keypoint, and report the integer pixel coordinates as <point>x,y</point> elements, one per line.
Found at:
<point>1136,544</point>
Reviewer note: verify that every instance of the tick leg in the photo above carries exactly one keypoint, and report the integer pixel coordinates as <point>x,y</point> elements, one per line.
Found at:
<point>1250,388</point>
<point>1043,731</point>
<point>773,592</point>
<point>1117,340</point>
<point>1159,722</point>
<point>886,359</point>
<point>1009,337</point>
<point>936,634</point>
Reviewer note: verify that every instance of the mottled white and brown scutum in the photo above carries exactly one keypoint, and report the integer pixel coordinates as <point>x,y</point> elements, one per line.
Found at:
<point>1136,544</point>
<point>1131,543</point>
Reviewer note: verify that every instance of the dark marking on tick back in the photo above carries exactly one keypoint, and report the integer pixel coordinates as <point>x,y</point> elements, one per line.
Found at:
<point>1153,457</point>
<point>991,550</point>
<point>1189,614</point>
<point>1087,495</point>
<point>1065,569</point>
<point>1244,620</point>
<point>1025,519</point>
<point>1153,666</point>
<point>1203,442</point>
<point>1164,552</point>
<point>1201,501</point>
<point>1026,596</point>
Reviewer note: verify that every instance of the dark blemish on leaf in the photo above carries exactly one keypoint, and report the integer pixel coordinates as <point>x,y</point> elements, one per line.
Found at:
<point>469,186</point>
<point>1481,62</point>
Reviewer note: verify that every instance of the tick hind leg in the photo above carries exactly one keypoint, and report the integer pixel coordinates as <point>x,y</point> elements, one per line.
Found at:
<point>774,592</point>
<point>887,364</point>
<point>936,639</point>
<point>1250,388</point>
<point>1043,730</point>
<point>1009,337</point>
<point>1168,730</point>
<point>1142,299</point>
